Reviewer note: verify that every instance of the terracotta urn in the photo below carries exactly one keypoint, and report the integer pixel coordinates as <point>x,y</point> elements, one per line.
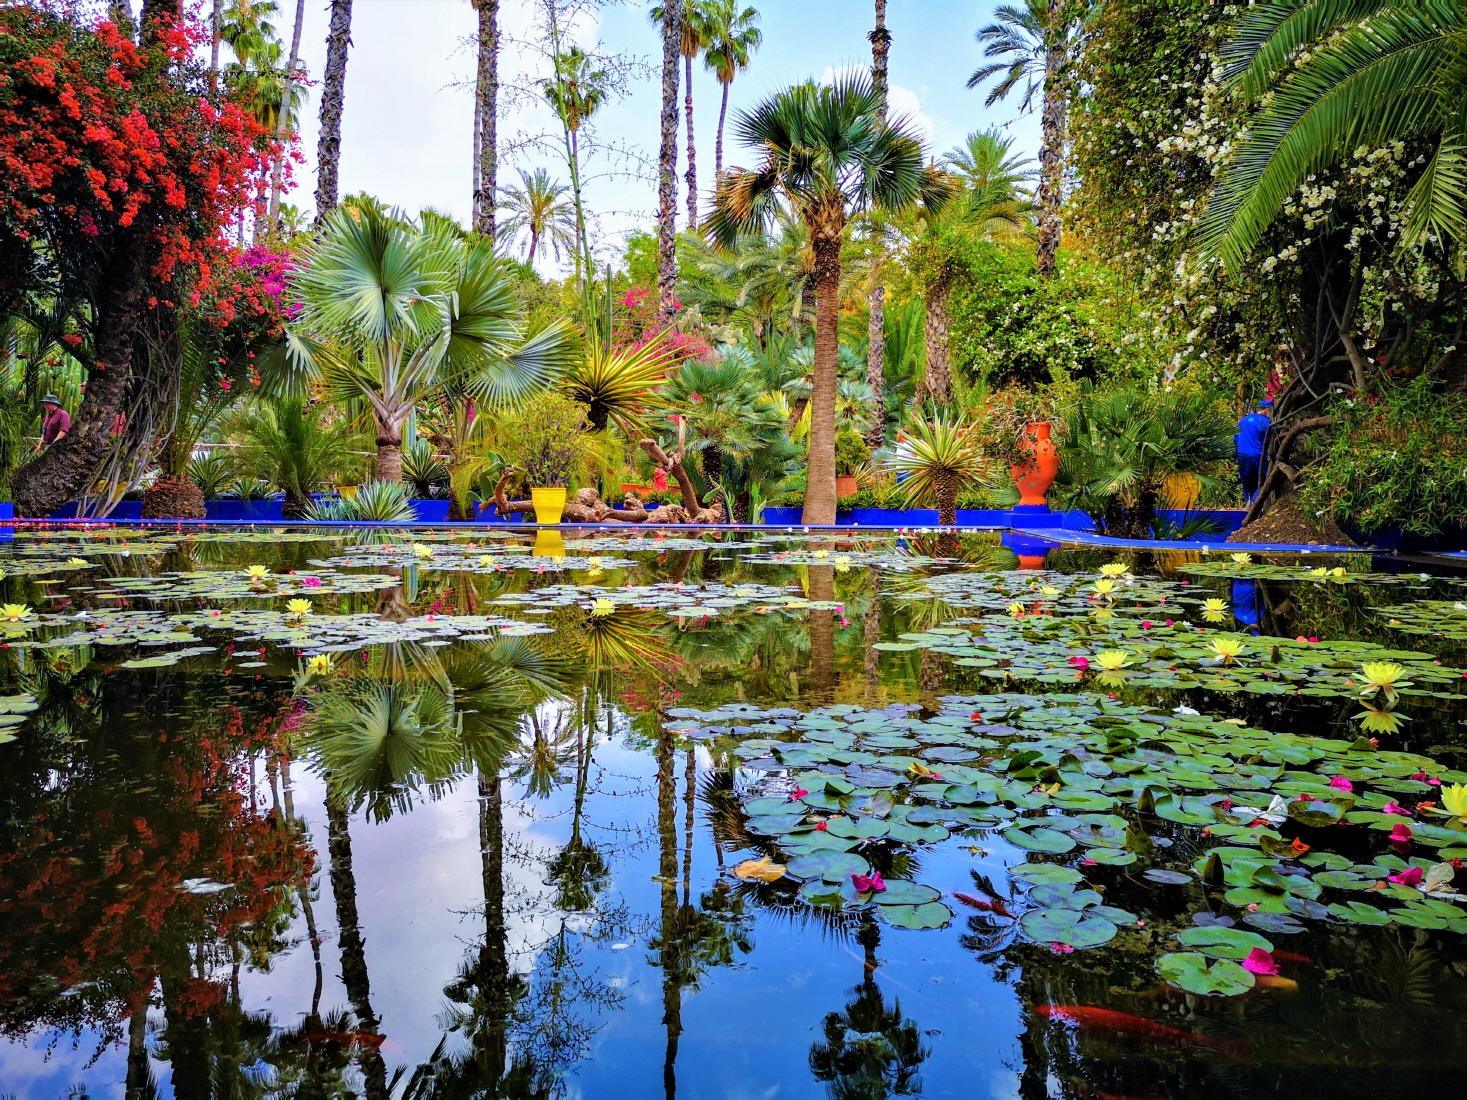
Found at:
<point>1035,476</point>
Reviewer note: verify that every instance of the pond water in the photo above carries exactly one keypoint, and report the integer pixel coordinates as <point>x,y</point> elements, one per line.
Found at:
<point>336,813</point>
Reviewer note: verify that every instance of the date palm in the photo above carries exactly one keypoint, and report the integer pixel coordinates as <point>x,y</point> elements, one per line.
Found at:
<point>537,211</point>
<point>824,152</point>
<point>733,36</point>
<point>1029,47</point>
<point>576,92</point>
<point>333,104</point>
<point>695,34</point>
<point>1376,72</point>
<point>391,308</point>
<point>671,30</point>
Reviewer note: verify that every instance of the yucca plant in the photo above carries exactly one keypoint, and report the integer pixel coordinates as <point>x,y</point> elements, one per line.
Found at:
<point>616,384</point>
<point>374,502</point>
<point>940,456</point>
<point>422,470</point>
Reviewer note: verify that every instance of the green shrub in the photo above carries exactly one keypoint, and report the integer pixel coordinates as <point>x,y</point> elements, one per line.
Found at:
<point>851,452</point>
<point>546,438</point>
<point>1397,462</point>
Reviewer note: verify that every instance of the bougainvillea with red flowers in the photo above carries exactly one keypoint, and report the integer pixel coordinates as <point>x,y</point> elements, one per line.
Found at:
<point>636,324</point>
<point>101,137</point>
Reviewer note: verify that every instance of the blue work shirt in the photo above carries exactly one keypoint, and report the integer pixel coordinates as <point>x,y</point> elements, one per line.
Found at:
<point>1252,431</point>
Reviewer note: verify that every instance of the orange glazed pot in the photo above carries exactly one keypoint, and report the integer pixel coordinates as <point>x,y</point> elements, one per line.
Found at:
<point>1034,477</point>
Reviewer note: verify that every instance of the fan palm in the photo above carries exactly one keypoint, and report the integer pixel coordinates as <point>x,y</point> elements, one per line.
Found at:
<point>827,154</point>
<point>1030,45</point>
<point>940,456</point>
<point>390,308</point>
<point>1375,72</point>
<point>733,35</point>
<point>537,210</point>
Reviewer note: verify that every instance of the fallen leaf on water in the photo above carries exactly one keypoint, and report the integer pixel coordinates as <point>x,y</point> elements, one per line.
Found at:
<point>762,869</point>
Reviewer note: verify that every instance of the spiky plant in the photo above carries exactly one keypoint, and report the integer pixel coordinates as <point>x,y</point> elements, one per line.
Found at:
<point>615,384</point>
<point>941,455</point>
<point>374,502</point>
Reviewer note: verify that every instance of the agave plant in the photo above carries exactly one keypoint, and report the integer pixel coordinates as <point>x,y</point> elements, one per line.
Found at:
<point>423,471</point>
<point>616,384</point>
<point>940,457</point>
<point>374,502</point>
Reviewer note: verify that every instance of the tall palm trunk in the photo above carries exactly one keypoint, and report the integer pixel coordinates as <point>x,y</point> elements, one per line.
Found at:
<point>937,382</point>
<point>1052,147</point>
<point>691,179</point>
<point>216,16</point>
<point>389,446</point>
<point>880,39</point>
<point>333,102</point>
<point>667,910</point>
<point>820,468</point>
<point>486,104</point>
<point>140,1084</point>
<point>282,129</point>
<point>534,243</point>
<point>667,164</point>
<point>718,140</point>
<point>354,975</point>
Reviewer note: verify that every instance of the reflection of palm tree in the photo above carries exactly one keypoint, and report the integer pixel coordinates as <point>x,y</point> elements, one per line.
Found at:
<point>822,634</point>
<point>869,1051</point>
<point>578,870</point>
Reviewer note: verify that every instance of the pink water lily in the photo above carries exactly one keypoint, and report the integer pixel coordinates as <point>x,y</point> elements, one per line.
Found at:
<point>1411,876</point>
<point>1061,948</point>
<point>311,582</point>
<point>1340,783</point>
<point>868,884</point>
<point>1082,663</point>
<point>1394,807</point>
<point>1260,961</point>
<point>1401,834</point>
<point>798,793</point>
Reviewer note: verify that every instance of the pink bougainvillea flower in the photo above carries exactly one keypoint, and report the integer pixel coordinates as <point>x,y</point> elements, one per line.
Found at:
<point>1060,948</point>
<point>868,884</point>
<point>1394,807</point>
<point>1260,961</point>
<point>798,793</point>
<point>1340,783</point>
<point>1401,834</point>
<point>1411,876</point>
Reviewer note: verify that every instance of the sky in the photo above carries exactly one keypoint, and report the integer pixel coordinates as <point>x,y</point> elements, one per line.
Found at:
<point>408,126</point>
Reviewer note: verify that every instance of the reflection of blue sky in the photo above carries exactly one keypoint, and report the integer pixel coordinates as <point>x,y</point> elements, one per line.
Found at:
<point>747,1030</point>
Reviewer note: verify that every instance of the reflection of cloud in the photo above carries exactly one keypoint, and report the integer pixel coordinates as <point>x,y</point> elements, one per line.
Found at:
<point>901,102</point>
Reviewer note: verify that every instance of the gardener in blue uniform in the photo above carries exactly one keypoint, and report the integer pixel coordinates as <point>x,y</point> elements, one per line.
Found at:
<point>1251,438</point>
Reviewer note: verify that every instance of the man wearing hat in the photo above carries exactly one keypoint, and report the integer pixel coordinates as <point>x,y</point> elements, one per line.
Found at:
<point>55,421</point>
<point>1251,439</point>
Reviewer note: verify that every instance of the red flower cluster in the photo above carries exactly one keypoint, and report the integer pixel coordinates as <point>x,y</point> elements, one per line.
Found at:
<point>99,136</point>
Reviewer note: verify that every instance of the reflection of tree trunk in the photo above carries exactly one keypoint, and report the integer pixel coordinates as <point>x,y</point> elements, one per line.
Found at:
<point>303,893</point>
<point>690,784</point>
<point>354,974</point>
<point>930,669</point>
<point>822,634</point>
<point>870,635</point>
<point>187,1029</point>
<point>492,1042</point>
<point>139,1080</point>
<point>672,1013</point>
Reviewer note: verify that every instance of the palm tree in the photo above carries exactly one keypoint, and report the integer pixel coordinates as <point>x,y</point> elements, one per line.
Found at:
<point>286,121</point>
<point>880,39</point>
<point>289,445</point>
<point>1031,45</point>
<point>537,210</point>
<point>486,118</point>
<point>695,33</point>
<point>732,37</point>
<point>576,92</point>
<point>987,183</point>
<point>1377,72</point>
<point>333,103</point>
<point>826,153</point>
<point>389,308</point>
<point>672,15</point>
<point>940,456</point>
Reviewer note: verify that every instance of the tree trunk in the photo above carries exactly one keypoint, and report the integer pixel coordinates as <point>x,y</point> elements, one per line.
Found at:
<point>140,1084</point>
<point>880,39</point>
<point>216,16</point>
<point>486,103</point>
<point>355,977</point>
<point>63,469</point>
<point>718,140</point>
<point>389,451</point>
<point>282,129</point>
<point>667,933</point>
<point>876,365</point>
<point>820,468</point>
<point>534,243</point>
<point>158,16</point>
<point>1052,145</point>
<point>937,380</point>
<point>691,178</point>
<point>333,102</point>
<point>667,164</point>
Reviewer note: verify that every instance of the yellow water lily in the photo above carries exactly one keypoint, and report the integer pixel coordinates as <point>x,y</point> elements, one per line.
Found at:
<point>1454,801</point>
<point>1228,650</point>
<point>1382,678</point>
<point>1102,613</point>
<point>1114,569</point>
<point>1104,588</point>
<point>1215,610</point>
<point>486,561</point>
<point>422,551</point>
<point>298,608</point>
<point>1048,590</point>
<point>601,607</point>
<point>1319,571</point>
<point>1242,558</point>
<point>1113,660</point>
<point>320,664</point>
<point>842,563</point>
<point>1379,720</point>
<point>257,572</point>
<point>15,612</point>
<point>77,562</point>
<point>822,553</point>
<point>593,564</point>
<point>1016,609</point>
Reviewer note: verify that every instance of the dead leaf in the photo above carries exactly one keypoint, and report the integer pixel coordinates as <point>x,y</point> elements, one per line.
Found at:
<point>762,870</point>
